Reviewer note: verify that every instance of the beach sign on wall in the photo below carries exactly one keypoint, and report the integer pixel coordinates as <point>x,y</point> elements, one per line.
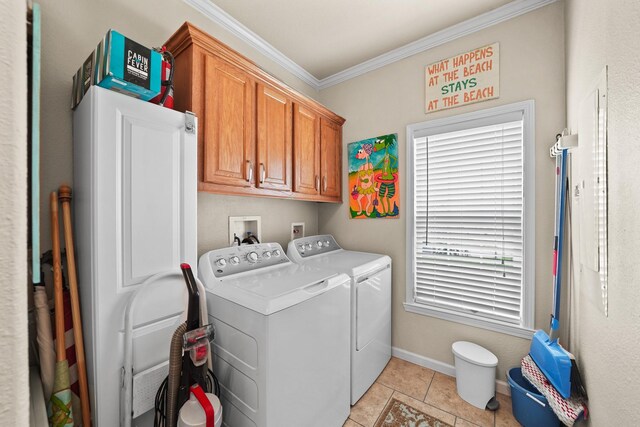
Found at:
<point>373,177</point>
<point>463,79</point>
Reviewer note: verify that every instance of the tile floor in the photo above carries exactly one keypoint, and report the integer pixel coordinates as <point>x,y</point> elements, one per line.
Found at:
<point>428,391</point>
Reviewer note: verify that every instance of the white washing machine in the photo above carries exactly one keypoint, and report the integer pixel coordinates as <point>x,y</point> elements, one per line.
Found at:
<point>281,348</point>
<point>370,303</point>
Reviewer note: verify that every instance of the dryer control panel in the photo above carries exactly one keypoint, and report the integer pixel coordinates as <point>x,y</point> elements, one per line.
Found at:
<point>240,259</point>
<point>314,245</point>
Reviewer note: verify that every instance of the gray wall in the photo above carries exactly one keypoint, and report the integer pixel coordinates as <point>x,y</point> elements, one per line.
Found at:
<point>608,349</point>
<point>276,215</point>
<point>14,386</point>
<point>386,100</point>
<point>71,30</point>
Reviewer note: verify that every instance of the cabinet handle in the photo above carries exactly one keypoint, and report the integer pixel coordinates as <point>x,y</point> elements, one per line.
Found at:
<point>263,173</point>
<point>250,173</point>
<point>317,183</point>
<point>324,183</point>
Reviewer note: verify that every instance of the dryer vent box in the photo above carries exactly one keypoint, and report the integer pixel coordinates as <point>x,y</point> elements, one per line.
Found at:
<point>242,226</point>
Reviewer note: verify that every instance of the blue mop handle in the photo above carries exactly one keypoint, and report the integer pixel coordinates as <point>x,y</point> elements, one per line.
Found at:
<point>557,285</point>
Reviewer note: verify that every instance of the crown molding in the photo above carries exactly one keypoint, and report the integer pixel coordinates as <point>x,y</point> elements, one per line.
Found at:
<point>222,18</point>
<point>480,22</point>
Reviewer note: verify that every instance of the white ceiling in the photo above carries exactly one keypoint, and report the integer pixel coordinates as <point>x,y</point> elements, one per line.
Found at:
<point>328,36</point>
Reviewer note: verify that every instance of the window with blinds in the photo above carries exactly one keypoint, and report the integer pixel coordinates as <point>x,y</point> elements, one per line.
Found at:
<point>468,217</point>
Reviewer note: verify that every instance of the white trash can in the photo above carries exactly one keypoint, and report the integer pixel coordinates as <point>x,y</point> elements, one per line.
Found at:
<point>475,373</point>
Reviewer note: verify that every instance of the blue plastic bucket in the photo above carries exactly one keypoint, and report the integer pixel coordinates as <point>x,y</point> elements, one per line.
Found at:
<point>530,408</point>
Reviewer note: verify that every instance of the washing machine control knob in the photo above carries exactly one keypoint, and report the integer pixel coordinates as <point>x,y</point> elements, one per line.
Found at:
<point>319,243</point>
<point>327,243</point>
<point>252,257</point>
<point>221,263</point>
<point>276,253</point>
<point>266,255</point>
<point>309,246</point>
<point>302,248</point>
<point>234,260</point>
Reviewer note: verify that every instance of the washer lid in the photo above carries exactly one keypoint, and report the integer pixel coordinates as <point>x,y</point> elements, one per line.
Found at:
<point>351,263</point>
<point>473,353</point>
<point>269,290</point>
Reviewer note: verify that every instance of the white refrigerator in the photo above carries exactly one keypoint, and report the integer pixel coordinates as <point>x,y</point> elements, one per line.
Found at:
<point>135,196</point>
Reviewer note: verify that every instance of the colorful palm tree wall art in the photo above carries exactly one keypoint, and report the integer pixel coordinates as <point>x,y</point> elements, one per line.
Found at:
<point>373,177</point>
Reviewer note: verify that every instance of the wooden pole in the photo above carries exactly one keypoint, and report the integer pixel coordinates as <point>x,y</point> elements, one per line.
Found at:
<point>61,409</point>
<point>65,199</point>
<point>57,280</point>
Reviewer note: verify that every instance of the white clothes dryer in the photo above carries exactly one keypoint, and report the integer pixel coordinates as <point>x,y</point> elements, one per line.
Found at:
<point>370,302</point>
<point>281,348</point>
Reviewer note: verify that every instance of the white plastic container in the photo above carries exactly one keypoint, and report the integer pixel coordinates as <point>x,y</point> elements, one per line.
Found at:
<point>475,373</point>
<point>192,414</point>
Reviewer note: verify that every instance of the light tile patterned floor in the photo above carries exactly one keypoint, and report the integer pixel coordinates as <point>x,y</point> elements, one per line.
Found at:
<point>428,391</point>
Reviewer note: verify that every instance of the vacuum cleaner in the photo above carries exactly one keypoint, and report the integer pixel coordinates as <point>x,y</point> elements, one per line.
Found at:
<point>188,396</point>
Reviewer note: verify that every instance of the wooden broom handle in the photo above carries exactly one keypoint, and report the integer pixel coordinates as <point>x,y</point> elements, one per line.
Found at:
<point>65,199</point>
<point>57,280</point>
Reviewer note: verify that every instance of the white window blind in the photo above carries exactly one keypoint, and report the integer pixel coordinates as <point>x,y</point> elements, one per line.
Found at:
<point>468,220</point>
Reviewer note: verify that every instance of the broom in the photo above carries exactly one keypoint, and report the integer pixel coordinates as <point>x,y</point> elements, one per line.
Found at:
<point>59,410</point>
<point>556,363</point>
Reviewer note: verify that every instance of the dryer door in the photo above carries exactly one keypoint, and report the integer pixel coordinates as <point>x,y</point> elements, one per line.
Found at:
<point>373,307</point>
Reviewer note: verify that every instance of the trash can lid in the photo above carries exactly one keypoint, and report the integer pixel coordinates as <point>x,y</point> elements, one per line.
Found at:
<point>473,353</point>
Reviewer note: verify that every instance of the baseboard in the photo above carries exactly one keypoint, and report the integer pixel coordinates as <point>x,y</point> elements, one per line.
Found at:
<point>438,366</point>
<point>503,387</point>
<point>427,362</point>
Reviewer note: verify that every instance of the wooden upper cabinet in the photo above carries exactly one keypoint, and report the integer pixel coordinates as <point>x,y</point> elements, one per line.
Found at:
<point>274,122</point>
<point>306,150</point>
<point>330,158</point>
<point>256,135</point>
<point>228,149</point>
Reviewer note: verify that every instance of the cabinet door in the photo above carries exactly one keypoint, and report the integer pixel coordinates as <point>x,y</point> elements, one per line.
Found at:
<point>229,125</point>
<point>306,150</point>
<point>274,139</point>
<point>330,158</point>
<point>135,212</point>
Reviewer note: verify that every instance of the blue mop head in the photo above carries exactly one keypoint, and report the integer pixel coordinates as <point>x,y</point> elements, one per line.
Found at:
<point>553,360</point>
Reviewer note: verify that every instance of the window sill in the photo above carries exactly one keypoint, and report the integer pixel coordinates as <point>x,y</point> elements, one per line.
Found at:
<point>517,331</point>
